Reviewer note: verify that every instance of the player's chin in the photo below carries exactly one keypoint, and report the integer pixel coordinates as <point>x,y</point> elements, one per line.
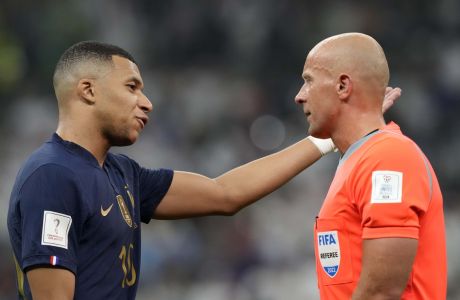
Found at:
<point>132,138</point>
<point>126,140</point>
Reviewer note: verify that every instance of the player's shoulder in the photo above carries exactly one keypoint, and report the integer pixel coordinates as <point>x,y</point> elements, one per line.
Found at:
<point>42,174</point>
<point>119,157</point>
<point>48,155</point>
<point>131,167</point>
<point>122,162</point>
<point>50,158</point>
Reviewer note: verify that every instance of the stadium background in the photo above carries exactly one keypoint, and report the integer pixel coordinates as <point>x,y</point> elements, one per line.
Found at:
<point>222,76</point>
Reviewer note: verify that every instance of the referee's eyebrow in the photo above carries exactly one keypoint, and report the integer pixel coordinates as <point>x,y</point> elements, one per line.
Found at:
<point>306,76</point>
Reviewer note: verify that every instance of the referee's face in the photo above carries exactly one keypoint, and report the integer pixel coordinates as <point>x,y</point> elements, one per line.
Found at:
<point>317,97</point>
<point>122,107</point>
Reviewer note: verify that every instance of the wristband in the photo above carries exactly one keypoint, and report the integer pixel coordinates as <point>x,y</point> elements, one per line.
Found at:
<point>324,146</point>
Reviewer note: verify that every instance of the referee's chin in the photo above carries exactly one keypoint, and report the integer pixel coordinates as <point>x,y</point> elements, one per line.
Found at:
<point>314,132</point>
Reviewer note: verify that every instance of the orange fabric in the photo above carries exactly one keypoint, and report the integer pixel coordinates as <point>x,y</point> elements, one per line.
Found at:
<point>385,187</point>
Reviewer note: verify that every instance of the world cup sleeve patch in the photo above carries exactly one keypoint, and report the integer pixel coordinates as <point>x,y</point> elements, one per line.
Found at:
<point>386,187</point>
<point>55,230</point>
<point>329,252</point>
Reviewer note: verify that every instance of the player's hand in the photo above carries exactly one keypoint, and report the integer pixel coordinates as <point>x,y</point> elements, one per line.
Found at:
<point>391,95</point>
<point>324,146</point>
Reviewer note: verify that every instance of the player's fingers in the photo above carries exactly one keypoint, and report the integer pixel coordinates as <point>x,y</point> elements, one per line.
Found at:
<point>391,95</point>
<point>394,94</point>
<point>386,105</point>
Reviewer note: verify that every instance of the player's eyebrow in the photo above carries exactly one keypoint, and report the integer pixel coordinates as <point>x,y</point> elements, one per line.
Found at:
<point>137,81</point>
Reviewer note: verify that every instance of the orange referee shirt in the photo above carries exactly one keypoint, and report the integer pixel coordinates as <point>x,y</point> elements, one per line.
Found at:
<point>384,187</point>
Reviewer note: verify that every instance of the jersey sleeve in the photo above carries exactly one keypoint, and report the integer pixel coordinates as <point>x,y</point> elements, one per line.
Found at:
<point>154,184</point>
<point>51,212</point>
<point>391,189</point>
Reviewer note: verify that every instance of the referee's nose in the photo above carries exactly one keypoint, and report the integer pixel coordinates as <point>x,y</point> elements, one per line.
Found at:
<point>301,96</point>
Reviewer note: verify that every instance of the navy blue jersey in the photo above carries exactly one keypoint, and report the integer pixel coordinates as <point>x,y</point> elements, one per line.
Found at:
<point>67,211</point>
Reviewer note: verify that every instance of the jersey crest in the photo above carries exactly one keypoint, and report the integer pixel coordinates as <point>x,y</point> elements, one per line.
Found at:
<point>329,252</point>
<point>124,210</point>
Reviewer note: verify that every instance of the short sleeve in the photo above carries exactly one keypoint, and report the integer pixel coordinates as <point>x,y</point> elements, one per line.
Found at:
<point>391,189</point>
<point>51,212</point>
<point>153,184</point>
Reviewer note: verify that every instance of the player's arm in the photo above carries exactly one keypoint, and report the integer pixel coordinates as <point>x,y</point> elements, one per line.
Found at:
<point>191,194</point>
<point>51,283</point>
<point>40,201</point>
<point>386,265</point>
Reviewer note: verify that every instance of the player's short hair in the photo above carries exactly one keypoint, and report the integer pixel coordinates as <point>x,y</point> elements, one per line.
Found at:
<point>87,51</point>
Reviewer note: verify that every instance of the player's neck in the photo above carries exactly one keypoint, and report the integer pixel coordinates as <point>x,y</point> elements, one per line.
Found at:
<point>86,138</point>
<point>354,128</point>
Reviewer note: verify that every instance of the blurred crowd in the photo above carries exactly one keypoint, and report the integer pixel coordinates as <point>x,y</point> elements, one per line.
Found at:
<point>222,76</point>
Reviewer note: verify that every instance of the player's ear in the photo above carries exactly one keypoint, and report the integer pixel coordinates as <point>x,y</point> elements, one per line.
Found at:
<point>344,86</point>
<point>86,90</point>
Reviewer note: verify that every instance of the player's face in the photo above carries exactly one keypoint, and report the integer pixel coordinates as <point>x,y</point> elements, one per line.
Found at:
<point>317,97</point>
<point>122,107</point>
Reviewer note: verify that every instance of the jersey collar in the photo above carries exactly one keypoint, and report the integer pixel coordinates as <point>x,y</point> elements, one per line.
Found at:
<point>390,127</point>
<point>76,149</point>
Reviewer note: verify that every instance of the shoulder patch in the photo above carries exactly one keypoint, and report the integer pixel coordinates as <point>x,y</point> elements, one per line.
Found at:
<point>55,231</point>
<point>386,187</point>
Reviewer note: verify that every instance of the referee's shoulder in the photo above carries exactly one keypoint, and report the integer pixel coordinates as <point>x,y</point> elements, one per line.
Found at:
<point>393,145</point>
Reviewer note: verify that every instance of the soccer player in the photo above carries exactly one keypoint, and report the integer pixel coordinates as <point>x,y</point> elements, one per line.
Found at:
<point>380,232</point>
<point>75,209</point>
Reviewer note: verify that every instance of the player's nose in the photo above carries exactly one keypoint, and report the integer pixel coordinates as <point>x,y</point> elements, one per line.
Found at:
<point>145,104</point>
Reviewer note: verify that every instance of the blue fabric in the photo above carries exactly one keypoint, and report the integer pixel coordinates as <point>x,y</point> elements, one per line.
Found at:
<point>105,206</point>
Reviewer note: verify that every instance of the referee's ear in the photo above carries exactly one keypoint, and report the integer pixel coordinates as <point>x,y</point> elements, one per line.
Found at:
<point>86,91</point>
<point>344,86</point>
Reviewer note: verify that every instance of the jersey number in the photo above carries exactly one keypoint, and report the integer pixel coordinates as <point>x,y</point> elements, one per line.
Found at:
<point>127,266</point>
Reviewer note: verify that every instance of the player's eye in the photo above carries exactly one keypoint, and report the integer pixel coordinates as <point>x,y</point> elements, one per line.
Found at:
<point>131,86</point>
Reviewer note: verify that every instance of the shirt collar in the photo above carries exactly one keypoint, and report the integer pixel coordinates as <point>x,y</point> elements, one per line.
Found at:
<point>76,149</point>
<point>390,127</point>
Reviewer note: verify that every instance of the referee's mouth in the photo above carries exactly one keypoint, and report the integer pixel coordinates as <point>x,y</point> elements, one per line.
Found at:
<point>143,120</point>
